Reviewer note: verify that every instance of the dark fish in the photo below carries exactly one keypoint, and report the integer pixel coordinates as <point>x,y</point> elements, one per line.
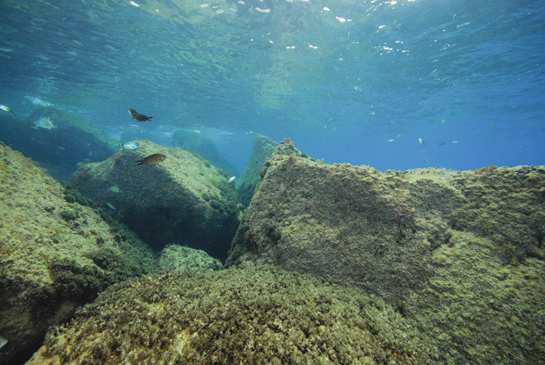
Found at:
<point>151,159</point>
<point>138,117</point>
<point>442,143</point>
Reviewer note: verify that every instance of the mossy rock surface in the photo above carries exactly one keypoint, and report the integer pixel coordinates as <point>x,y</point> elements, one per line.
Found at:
<point>262,150</point>
<point>180,258</point>
<point>427,240</point>
<point>253,315</point>
<point>183,200</point>
<point>54,255</point>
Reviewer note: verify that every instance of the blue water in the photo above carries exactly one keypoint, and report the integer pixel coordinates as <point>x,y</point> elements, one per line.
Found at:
<point>340,79</point>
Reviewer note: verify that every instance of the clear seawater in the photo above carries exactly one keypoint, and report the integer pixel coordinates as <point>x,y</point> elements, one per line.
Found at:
<point>340,78</point>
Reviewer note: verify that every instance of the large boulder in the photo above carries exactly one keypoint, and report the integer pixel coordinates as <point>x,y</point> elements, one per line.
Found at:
<point>55,254</point>
<point>205,147</point>
<point>262,150</point>
<point>254,315</point>
<point>54,137</point>
<point>183,200</point>
<point>461,253</point>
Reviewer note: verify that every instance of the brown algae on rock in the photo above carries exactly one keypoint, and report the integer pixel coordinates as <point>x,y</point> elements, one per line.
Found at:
<point>431,242</point>
<point>54,255</point>
<point>253,315</point>
<point>182,200</point>
<point>181,258</point>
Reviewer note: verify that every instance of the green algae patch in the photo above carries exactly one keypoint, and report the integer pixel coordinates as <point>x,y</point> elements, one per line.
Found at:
<point>180,258</point>
<point>182,200</point>
<point>54,255</point>
<point>429,241</point>
<point>252,315</point>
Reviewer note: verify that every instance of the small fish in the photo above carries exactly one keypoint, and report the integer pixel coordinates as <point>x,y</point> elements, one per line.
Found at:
<point>232,178</point>
<point>350,126</point>
<point>372,113</point>
<point>115,189</point>
<point>425,161</point>
<point>3,341</point>
<point>493,125</point>
<point>250,132</point>
<point>48,123</point>
<point>334,128</point>
<point>152,159</point>
<point>444,153</point>
<point>61,148</point>
<point>138,117</point>
<point>442,143</point>
<point>48,113</point>
<point>454,141</point>
<point>7,109</point>
<point>444,121</point>
<point>131,146</point>
<point>402,132</point>
<point>324,127</point>
<point>390,140</point>
<point>421,142</point>
<point>110,206</point>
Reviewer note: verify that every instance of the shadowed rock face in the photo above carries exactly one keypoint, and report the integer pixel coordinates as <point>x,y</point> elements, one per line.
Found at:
<point>183,199</point>
<point>55,255</point>
<point>263,148</point>
<point>72,140</point>
<point>427,240</point>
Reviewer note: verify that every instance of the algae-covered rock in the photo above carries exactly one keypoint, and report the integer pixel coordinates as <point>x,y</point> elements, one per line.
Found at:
<point>180,258</point>
<point>205,147</point>
<point>262,150</point>
<point>183,199</point>
<point>54,255</point>
<point>58,138</point>
<point>245,316</point>
<point>446,248</point>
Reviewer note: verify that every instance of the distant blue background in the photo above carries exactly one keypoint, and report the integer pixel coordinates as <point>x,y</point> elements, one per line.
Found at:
<point>411,63</point>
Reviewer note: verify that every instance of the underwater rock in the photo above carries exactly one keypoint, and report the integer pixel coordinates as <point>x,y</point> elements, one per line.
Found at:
<point>448,249</point>
<point>54,255</point>
<point>57,138</point>
<point>181,258</point>
<point>205,147</point>
<point>256,315</point>
<point>183,199</point>
<point>263,149</point>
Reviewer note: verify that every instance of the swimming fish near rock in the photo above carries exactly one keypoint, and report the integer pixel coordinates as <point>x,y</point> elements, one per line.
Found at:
<point>152,159</point>
<point>7,109</point>
<point>232,178</point>
<point>138,117</point>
